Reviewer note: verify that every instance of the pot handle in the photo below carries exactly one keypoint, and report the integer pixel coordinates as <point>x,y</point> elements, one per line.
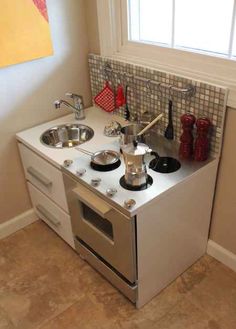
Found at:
<point>135,143</point>
<point>156,155</point>
<point>85,151</point>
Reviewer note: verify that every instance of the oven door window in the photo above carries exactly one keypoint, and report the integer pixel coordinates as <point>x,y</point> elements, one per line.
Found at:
<point>100,223</point>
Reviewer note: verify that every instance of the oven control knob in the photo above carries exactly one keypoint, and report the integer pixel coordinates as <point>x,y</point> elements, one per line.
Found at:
<point>111,191</point>
<point>80,172</point>
<point>95,181</point>
<point>129,203</point>
<point>67,163</point>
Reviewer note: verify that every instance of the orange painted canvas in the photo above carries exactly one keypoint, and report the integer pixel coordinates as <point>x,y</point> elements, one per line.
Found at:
<point>24,31</point>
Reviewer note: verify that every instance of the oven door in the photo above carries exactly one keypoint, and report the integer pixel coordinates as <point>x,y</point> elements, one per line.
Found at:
<point>105,231</point>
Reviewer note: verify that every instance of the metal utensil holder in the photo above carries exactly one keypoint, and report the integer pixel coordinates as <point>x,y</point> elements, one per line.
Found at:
<point>187,92</point>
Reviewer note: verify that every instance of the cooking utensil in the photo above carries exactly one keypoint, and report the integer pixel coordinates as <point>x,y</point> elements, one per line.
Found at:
<point>103,157</point>
<point>104,160</point>
<point>135,167</point>
<point>127,112</point>
<point>169,132</point>
<point>150,124</point>
<point>120,97</point>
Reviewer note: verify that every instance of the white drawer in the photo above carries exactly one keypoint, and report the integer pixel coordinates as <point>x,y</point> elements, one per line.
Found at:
<point>44,176</point>
<point>52,215</point>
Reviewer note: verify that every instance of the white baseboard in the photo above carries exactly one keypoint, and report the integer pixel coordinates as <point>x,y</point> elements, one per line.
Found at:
<point>15,224</point>
<point>221,254</point>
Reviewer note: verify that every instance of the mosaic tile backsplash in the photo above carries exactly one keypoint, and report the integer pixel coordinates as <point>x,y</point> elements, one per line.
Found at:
<point>207,101</point>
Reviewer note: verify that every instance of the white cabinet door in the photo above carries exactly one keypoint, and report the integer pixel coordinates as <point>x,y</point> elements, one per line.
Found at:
<point>51,214</point>
<point>44,176</point>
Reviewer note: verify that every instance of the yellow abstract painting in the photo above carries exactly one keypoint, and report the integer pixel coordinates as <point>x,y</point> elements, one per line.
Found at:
<point>24,31</point>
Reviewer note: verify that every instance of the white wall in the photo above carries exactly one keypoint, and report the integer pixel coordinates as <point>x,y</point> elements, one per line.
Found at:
<point>29,89</point>
<point>223,227</point>
<point>92,23</point>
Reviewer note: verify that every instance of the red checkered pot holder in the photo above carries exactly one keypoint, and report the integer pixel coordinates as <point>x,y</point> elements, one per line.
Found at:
<point>106,98</point>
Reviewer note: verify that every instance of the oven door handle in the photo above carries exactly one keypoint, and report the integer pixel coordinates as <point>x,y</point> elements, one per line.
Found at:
<point>92,201</point>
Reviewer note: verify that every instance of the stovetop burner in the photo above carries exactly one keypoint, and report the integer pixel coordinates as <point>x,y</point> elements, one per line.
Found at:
<point>165,165</point>
<point>136,188</point>
<point>106,167</point>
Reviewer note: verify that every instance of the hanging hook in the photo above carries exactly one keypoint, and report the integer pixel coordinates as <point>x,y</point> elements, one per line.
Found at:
<point>125,78</point>
<point>119,77</point>
<point>105,73</point>
<point>148,86</point>
<point>108,72</point>
<point>160,89</point>
<point>170,92</point>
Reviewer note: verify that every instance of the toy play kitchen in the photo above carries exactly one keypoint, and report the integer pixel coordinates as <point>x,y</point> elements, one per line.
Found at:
<point>144,219</point>
<point>138,225</point>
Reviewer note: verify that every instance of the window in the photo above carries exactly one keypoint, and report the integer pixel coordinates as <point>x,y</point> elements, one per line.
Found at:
<point>206,26</point>
<point>191,38</point>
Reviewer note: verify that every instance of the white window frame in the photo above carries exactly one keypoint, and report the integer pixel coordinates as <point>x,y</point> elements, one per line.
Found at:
<point>172,44</point>
<point>114,43</point>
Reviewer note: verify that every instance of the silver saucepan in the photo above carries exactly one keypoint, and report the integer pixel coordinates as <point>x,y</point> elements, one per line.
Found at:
<point>129,134</point>
<point>104,160</point>
<point>136,132</point>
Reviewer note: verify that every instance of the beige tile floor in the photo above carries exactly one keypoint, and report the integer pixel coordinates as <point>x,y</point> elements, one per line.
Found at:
<point>45,285</point>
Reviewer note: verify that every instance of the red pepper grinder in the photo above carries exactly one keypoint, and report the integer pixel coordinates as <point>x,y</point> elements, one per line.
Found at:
<point>186,139</point>
<point>202,143</point>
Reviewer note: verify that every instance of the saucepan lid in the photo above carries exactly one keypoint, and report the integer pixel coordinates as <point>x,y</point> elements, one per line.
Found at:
<point>105,157</point>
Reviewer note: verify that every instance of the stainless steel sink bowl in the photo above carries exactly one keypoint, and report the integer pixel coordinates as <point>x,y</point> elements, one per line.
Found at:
<point>67,135</point>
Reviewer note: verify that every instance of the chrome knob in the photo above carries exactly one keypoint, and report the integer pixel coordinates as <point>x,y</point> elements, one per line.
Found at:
<point>129,203</point>
<point>80,172</point>
<point>67,163</point>
<point>95,181</point>
<point>111,191</point>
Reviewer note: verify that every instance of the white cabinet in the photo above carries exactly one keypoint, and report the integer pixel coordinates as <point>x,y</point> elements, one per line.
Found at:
<point>46,188</point>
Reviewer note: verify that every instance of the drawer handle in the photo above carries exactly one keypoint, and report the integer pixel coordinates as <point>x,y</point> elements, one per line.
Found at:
<point>92,201</point>
<point>52,219</point>
<point>41,178</point>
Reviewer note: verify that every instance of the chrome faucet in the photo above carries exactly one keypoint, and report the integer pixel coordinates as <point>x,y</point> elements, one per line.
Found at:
<point>77,108</point>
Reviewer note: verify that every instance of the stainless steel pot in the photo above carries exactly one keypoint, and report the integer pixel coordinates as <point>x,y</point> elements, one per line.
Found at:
<point>128,134</point>
<point>104,160</point>
<point>135,167</point>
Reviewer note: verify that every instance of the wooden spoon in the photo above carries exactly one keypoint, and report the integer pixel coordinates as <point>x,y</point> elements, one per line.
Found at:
<point>150,124</point>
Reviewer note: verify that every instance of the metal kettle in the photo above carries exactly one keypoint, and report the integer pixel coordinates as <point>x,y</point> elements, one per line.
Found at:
<point>135,167</point>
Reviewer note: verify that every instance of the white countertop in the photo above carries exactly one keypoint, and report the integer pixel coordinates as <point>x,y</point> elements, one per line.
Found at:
<point>97,119</point>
